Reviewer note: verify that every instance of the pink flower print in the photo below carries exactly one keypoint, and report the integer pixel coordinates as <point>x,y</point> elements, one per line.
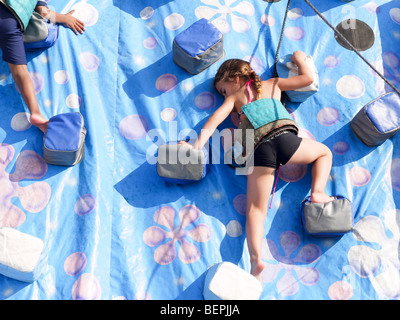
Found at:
<point>166,252</point>
<point>33,198</point>
<point>288,284</point>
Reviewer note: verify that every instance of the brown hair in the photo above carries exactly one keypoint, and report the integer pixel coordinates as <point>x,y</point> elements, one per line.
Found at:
<point>232,68</point>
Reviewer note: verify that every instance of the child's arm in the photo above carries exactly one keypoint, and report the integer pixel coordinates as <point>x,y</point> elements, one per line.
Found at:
<point>305,77</point>
<point>212,123</point>
<point>65,19</point>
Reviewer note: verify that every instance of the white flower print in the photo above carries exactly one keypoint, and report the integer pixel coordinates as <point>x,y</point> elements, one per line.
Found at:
<point>229,9</point>
<point>379,262</point>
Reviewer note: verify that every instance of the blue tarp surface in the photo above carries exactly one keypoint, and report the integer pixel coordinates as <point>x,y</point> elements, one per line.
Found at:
<point>115,230</point>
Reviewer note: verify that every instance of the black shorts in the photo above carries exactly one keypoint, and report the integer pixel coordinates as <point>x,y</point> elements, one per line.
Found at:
<point>277,150</point>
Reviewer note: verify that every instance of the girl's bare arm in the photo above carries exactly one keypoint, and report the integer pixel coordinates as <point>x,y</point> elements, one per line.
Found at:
<point>305,77</point>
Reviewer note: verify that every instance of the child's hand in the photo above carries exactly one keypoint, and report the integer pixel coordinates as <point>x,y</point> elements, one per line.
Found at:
<point>73,23</point>
<point>298,57</point>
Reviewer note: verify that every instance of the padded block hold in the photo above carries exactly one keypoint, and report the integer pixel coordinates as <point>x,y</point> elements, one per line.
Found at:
<point>64,141</point>
<point>22,257</point>
<point>378,120</point>
<point>198,47</point>
<point>226,281</point>
<point>181,164</point>
<point>329,219</point>
<point>287,69</point>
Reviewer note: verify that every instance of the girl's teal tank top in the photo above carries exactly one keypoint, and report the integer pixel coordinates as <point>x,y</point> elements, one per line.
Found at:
<point>263,111</point>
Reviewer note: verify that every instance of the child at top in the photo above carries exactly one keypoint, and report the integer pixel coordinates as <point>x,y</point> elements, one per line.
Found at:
<point>240,85</point>
<point>14,18</point>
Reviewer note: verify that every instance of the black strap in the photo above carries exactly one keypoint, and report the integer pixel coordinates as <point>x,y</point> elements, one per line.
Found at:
<point>283,95</point>
<point>281,37</point>
<point>352,47</point>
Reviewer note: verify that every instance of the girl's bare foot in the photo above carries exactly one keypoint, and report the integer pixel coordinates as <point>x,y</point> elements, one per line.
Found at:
<point>257,267</point>
<point>320,197</point>
<point>39,121</point>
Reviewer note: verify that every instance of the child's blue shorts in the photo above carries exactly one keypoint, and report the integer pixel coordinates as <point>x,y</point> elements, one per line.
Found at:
<point>11,39</point>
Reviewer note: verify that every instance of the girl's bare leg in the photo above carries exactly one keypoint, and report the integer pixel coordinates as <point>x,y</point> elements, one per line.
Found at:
<point>259,186</point>
<point>311,151</point>
<point>23,81</point>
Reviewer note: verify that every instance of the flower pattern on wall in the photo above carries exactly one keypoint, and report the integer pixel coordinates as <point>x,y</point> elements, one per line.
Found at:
<point>166,252</point>
<point>214,8</point>
<point>296,269</point>
<point>378,258</point>
<point>33,198</point>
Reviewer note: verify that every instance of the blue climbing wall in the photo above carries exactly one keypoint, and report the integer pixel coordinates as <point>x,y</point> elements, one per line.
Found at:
<point>115,230</point>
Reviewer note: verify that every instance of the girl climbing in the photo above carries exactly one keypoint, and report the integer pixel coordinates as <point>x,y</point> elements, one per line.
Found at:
<point>278,144</point>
